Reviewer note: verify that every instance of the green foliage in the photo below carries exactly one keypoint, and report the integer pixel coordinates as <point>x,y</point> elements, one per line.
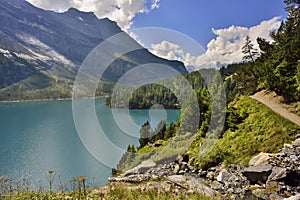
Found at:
<point>276,68</point>
<point>170,131</point>
<point>145,134</point>
<point>250,53</point>
<point>12,72</point>
<point>251,128</point>
<point>166,92</point>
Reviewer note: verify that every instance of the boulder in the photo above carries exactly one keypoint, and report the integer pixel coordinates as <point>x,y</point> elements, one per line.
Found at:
<point>259,159</point>
<point>258,174</point>
<point>141,168</point>
<point>130,179</point>
<point>223,176</point>
<point>177,178</point>
<point>296,197</point>
<point>278,173</point>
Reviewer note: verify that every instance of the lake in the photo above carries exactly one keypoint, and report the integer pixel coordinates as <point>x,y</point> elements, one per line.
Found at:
<point>40,136</point>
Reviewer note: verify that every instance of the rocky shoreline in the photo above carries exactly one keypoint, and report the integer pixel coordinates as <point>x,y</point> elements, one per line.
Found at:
<point>268,177</point>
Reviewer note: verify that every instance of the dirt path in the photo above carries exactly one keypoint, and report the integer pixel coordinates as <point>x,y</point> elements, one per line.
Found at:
<point>271,100</point>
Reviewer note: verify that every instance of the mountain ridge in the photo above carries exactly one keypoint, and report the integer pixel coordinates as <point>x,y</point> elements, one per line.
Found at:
<point>39,42</point>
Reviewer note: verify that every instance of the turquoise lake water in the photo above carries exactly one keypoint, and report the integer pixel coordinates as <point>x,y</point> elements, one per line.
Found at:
<point>40,136</point>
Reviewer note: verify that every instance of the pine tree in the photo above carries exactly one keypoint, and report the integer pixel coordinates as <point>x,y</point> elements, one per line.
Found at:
<point>145,134</point>
<point>250,53</point>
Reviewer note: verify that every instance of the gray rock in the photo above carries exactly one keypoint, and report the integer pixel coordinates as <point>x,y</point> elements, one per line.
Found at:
<point>177,178</point>
<point>296,143</point>
<point>181,172</point>
<point>296,197</point>
<point>223,176</point>
<point>259,159</point>
<point>216,185</point>
<point>258,174</point>
<point>275,196</point>
<point>130,179</point>
<point>203,173</point>
<point>278,173</point>
<point>259,193</point>
<point>183,166</point>
<point>141,168</point>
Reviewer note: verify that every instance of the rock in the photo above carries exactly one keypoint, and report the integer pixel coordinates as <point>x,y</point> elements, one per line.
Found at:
<point>296,197</point>
<point>278,173</point>
<point>275,196</point>
<point>297,136</point>
<point>259,159</point>
<point>130,179</point>
<point>216,185</point>
<point>177,178</point>
<point>203,173</point>
<point>296,143</point>
<point>182,158</point>
<point>204,189</point>
<point>223,176</point>
<point>183,166</point>
<point>176,169</point>
<point>141,168</point>
<point>259,193</point>
<point>181,172</point>
<point>258,174</point>
<point>287,149</point>
<point>210,175</point>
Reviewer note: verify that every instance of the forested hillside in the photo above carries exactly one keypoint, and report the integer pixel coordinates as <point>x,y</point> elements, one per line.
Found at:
<point>250,127</point>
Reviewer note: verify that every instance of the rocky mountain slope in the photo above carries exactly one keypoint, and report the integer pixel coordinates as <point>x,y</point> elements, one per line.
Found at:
<point>42,50</point>
<point>269,176</point>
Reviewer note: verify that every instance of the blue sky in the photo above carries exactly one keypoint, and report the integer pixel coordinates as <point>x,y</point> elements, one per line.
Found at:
<point>220,26</point>
<point>196,18</point>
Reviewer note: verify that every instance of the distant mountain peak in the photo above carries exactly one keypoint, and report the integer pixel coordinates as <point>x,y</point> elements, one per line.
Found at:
<point>75,11</point>
<point>49,45</point>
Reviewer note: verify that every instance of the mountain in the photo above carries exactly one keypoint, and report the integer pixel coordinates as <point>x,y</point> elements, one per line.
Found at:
<point>41,51</point>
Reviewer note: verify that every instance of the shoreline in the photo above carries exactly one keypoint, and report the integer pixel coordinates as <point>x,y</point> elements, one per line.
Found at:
<point>42,100</point>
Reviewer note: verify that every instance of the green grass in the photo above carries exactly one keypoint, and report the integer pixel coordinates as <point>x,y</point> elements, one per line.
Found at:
<point>174,146</point>
<point>125,194</point>
<point>261,131</point>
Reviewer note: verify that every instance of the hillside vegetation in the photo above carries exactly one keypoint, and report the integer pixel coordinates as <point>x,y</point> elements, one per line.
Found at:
<point>250,127</point>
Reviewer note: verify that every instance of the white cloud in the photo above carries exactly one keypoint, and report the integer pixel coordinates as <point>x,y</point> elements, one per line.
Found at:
<point>121,11</point>
<point>171,51</point>
<point>225,49</point>
<point>155,4</point>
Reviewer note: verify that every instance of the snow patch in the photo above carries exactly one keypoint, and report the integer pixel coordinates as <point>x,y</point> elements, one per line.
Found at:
<point>6,53</point>
<point>42,51</point>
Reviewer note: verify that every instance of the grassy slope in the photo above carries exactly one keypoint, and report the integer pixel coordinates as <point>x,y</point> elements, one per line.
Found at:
<point>261,131</point>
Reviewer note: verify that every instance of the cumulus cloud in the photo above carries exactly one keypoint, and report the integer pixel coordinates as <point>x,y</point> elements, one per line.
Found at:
<point>121,11</point>
<point>171,51</point>
<point>225,49</point>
